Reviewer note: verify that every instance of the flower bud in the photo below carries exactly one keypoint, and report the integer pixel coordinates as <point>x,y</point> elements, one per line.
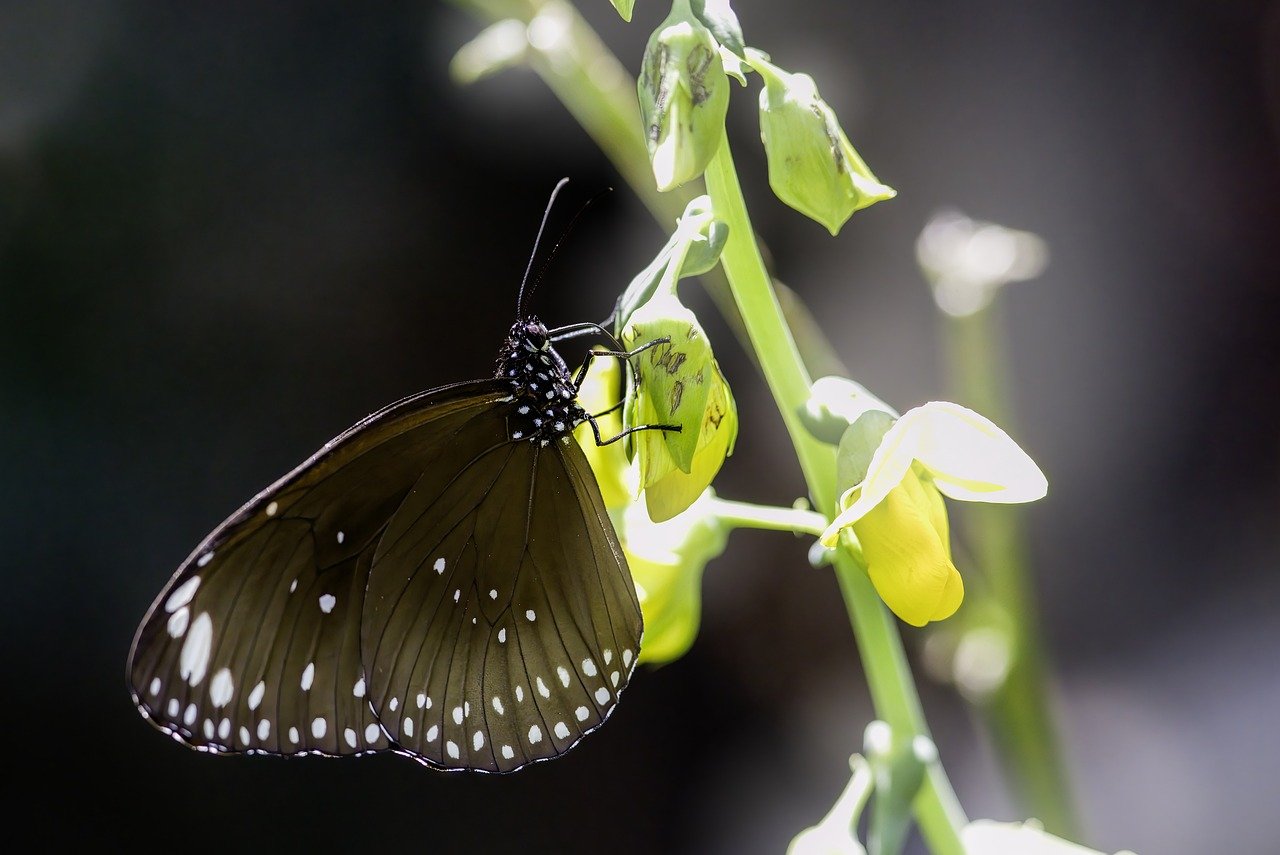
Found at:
<point>684,95</point>
<point>600,390</point>
<point>680,384</point>
<point>666,561</point>
<point>812,166</point>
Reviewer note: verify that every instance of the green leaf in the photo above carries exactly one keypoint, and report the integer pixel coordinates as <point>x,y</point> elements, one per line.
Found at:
<point>721,20</point>
<point>624,8</point>
<point>857,445</point>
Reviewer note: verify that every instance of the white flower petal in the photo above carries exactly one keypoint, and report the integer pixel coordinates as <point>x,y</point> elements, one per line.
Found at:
<point>969,457</point>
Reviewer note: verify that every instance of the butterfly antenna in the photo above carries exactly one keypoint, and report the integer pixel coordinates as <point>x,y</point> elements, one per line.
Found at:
<point>536,242</point>
<point>542,271</point>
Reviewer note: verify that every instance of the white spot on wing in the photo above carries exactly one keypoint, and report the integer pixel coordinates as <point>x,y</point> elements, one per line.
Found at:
<point>178,622</point>
<point>189,715</point>
<point>581,713</point>
<point>613,678</point>
<point>341,536</point>
<point>293,735</point>
<point>208,729</point>
<point>519,694</point>
<point>308,675</point>
<point>204,559</point>
<point>350,736</point>
<point>173,707</point>
<point>608,656</point>
<point>508,752</point>
<point>493,593</point>
<point>318,727</point>
<point>497,705</point>
<point>327,602</point>
<point>562,730</point>
<point>477,741</point>
<point>255,697</point>
<point>530,615</point>
<point>272,508</point>
<point>408,727</point>
<point>588,667</point>
<point>371,733</point>
<point>182,594</point>
<point>542,689</point>
<point>457,715</point>
<point>264,730</point>
<point>221,688</point>
<point>535,735</point>
<point>193,661</point>
<point>244,735</point>
<point>224,729</point>
<point>626,658</point>
<point>452,748</point>
<point>564,675</point>
<point>432,733</point>
<point>502,635</point>
<point>602,695</point>
<point>154,688</point>
<point>439,565</point>
<point>358,689</point>
<point>395,702</point>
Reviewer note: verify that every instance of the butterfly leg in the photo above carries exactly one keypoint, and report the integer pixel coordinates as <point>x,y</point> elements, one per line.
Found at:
<point>595,429</point>
<point>585,328</point>
<point>620,354</point>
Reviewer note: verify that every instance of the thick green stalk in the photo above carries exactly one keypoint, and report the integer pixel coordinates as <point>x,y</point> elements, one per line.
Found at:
<point>879,644</point>
<point>1017,714</point>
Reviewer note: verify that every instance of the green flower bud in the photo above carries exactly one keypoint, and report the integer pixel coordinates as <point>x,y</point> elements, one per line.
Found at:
<point>812,166</point>
<point>624,8</point>
<point>680,384</point>
<point>684,95</point>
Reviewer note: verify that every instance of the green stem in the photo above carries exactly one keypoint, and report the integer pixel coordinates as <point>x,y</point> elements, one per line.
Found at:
<point>888,674</point>
<point>745,515</point>
<point>1017,714</point>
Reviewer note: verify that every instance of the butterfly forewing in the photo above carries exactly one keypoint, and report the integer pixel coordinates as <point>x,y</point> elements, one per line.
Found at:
<point>500,620</point>
<point>254,646</point>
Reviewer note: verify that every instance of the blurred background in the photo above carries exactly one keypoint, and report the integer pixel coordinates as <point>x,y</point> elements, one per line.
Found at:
<point>227,231</point>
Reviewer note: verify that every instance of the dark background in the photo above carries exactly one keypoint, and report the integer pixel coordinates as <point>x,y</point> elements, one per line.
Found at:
<point>229,230</point>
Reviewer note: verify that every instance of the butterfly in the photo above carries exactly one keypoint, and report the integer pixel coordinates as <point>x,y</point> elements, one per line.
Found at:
<point>441,580</point>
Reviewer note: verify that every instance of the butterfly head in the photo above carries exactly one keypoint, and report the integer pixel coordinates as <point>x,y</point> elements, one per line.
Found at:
<point>544,396</point>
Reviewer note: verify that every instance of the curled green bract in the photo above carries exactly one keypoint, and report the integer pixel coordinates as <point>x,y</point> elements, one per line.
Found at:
<point>684,95</point>
<point>812,165</point>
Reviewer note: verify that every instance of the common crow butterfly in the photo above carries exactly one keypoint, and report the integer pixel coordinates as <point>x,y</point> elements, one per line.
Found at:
<point>441,580</point>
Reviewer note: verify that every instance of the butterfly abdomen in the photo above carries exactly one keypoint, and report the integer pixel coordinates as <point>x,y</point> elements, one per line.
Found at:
<point>544,395</point>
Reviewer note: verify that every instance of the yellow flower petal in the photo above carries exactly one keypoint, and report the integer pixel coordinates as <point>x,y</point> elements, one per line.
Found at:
<point>600,390</point>
<point>970,458</point>
<point>889,464</point>
<point>909,563</point>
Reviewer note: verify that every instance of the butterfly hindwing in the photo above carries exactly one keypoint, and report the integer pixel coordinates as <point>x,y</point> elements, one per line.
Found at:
<point>500,619</point>
<point>254,645</point>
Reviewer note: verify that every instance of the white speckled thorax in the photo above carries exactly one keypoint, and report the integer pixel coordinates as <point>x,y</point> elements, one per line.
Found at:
<point>544,405</point>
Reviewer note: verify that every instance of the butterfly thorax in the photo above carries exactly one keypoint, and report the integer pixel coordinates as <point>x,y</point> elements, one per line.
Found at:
<point>545,399</point>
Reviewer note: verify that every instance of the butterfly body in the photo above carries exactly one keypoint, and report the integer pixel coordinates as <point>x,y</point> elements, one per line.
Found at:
<point>441,580</point>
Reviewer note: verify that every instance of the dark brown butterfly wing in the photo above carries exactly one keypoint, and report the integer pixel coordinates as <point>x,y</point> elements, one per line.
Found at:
<point>254,645</point>
<point>500,622</point>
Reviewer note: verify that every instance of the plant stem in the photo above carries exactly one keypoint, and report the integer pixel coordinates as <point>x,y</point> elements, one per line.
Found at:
<point>1017,714</point>
<point>880,646</point>
<point>745,515</point>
